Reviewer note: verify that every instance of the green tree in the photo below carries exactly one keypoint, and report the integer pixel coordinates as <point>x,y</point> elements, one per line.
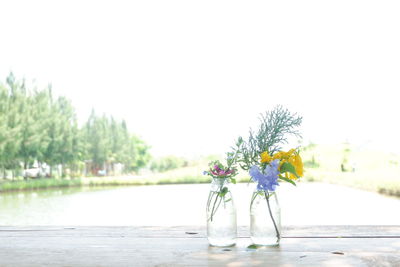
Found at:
<point>139,155</point>
<point>12,122</point>
<point>65,146</point>
<point>98,143</point>
<point>35,139</point>
<point>3,127</point>
<point>35,128</point>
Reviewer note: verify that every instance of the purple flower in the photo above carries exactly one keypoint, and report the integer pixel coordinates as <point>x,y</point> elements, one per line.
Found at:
<point>267,179</point>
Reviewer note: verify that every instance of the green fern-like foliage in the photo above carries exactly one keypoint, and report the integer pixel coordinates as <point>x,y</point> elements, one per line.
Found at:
<point>275,127</point>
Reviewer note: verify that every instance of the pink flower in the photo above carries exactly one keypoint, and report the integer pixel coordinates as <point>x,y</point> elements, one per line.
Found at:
<point>216,167</point>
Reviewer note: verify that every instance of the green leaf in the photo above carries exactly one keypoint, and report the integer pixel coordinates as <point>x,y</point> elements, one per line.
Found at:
<point>287,180</point>
<point>254,246</point>
<point>239,141</point>
<point>223,192</point>
<point>287,167</point>
<point>261,193</point>
<point>233,180</point>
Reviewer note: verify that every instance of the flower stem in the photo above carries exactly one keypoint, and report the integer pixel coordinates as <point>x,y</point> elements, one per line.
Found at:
<point>212,211</point>
<point>217,194</point>
<point>278,235</point>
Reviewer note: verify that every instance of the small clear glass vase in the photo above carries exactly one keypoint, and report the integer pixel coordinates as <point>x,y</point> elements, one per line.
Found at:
<point>221,214</point>
<point>265,218</point>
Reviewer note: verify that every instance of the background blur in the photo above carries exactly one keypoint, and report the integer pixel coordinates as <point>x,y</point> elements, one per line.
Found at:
<point>147,92</point>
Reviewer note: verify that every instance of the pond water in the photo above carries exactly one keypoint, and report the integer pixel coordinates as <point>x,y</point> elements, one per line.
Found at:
<point>169,205</point>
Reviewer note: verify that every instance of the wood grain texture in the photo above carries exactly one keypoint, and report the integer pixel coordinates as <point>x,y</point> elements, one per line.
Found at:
<point>187,246</point>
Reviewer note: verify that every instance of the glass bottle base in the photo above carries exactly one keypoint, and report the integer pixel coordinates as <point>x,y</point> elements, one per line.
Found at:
<point>221,242</point>
<point>265,241</point>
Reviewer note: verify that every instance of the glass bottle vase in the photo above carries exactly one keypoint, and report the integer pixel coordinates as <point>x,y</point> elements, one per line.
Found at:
<point>265,218</point>
<point>221,214</point>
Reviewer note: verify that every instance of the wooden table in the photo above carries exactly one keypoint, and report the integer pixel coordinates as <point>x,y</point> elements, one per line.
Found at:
<point>187,246</point>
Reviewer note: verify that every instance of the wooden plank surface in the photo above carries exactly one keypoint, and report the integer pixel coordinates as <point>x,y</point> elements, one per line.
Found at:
<point>187,246</point>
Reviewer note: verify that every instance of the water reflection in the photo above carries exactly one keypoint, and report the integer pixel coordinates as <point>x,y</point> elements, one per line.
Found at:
<point>172,205</point>
<point>59,206</point>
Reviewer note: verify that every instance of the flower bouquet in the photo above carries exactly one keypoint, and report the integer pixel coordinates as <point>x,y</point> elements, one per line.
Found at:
<point>221,211</point>
<point>262,156</point>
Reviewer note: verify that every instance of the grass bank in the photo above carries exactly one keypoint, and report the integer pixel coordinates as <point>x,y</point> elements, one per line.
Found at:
<point>343,164</point>
<point>34,184</point>
<point>384,182</point>
<point>179,176</point>
<point>187,175</point>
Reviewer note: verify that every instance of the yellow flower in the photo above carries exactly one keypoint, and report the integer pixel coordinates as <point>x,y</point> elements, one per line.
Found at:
<point>265,157</point>
<point>290,153</point>
<point>282,155</point>
<point>279,155</point>
<point>292,157</point>
<point>297,163</point>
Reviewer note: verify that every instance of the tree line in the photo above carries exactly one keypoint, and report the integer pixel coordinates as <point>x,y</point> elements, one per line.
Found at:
<point>39,129</point>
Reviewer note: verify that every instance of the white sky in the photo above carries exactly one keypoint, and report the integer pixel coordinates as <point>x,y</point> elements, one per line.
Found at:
<point>190,76</point>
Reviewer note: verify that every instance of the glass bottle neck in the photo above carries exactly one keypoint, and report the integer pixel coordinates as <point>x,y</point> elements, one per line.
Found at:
<point>218,183</point>
<point>262,192</point>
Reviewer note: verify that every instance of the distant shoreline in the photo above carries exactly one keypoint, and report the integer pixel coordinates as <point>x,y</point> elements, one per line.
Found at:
<point>387,188</point>
<point>52,183</point>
